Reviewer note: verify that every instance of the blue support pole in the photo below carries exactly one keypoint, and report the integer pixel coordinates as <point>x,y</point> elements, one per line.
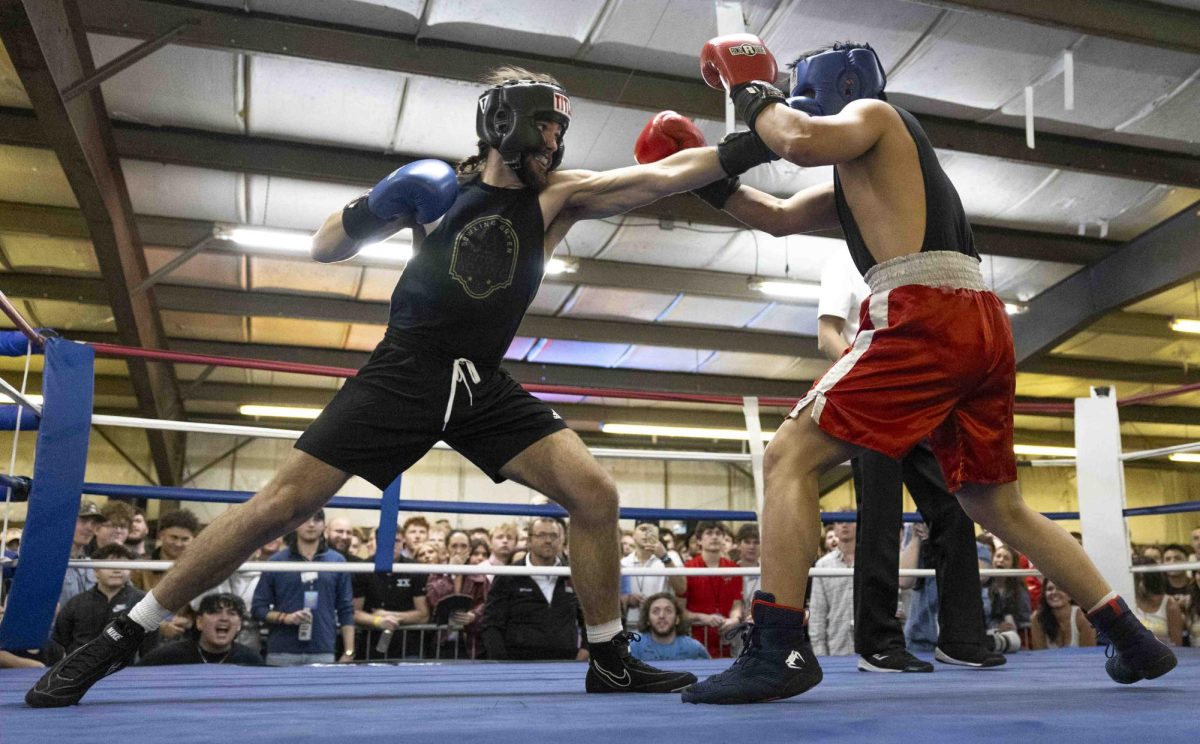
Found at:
<point>385,536</point>
<point>61,457</point>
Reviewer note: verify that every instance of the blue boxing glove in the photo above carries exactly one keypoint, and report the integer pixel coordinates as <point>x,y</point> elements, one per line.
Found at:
<point>805,104</point>
<point>419,192</point>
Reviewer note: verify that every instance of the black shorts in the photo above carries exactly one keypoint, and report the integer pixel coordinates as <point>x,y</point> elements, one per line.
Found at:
<point>389,415</point>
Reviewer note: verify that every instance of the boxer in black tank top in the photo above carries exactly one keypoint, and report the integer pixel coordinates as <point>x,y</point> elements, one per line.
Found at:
<point>472,278</point>
<point>458,304</point>
<point>476,268</point>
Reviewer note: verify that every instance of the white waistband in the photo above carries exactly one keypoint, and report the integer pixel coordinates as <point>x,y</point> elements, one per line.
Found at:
<point>949,269</point>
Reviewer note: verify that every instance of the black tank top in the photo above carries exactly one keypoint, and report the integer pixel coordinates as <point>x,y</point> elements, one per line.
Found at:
<point>471,280</point>
<point>946,226</point>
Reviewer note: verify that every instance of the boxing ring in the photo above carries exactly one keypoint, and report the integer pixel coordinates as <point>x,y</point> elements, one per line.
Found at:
<point>1035,696</point>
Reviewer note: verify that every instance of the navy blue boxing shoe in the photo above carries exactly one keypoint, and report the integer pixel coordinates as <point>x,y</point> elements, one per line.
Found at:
<point>777,660</point>
<point>1133,652</point>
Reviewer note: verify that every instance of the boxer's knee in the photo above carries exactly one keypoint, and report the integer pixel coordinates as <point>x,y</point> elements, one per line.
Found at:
<point>801,449</point>
<point>302,486</point>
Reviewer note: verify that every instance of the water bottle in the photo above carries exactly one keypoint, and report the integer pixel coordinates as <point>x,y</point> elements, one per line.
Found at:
<point>384,642</point>
<point>310,604</point>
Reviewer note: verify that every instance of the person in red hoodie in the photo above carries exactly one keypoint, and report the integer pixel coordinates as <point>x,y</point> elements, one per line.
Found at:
<point>714,603</point>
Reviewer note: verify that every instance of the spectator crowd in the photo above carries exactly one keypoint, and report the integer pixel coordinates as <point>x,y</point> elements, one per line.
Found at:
<point>314,615</point>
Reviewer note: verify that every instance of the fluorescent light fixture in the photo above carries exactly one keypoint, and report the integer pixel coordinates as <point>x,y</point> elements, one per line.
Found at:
<point>284,241</point>
<point>297,242</point>
<point>279,411</point>
<point>1015,308</point>
<point>561,266</point>
<point>393,251</point>
<point>689,432</point>
<point>1184,457</point>
<point>34,399</point>
<point>1185,325</point>
<point>1046,450</point>
<point>783,288</point>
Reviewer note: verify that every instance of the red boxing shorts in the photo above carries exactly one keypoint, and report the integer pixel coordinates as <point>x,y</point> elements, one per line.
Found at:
<point>933,358</point>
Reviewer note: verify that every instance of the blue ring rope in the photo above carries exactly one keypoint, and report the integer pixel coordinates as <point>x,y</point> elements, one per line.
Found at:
<point>206,495</point>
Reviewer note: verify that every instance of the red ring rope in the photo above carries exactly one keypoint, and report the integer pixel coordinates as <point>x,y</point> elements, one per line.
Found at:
<point>116,350</point>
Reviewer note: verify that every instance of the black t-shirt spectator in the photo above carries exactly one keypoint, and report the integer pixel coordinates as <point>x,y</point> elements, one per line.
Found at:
<point>188,651</point>
<point>393,592</point>
<point>83,616</point>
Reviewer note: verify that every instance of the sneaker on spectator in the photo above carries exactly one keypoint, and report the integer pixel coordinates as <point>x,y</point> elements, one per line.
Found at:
<point>1133,652</point>
<point>68,681</point>
<point>893,660</point>
<point>611,668</point>
<point>969,655</point>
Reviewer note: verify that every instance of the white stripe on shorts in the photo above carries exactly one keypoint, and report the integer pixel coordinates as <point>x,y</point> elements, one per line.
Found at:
<point>878,309</point>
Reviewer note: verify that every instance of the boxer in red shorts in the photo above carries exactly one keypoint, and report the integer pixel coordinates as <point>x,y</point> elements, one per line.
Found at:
<point>934,356</point>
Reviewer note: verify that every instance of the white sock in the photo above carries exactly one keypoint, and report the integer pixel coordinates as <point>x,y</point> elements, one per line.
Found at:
<point>148,613</point>
<point>1105,600</point>
<point>604,632</point>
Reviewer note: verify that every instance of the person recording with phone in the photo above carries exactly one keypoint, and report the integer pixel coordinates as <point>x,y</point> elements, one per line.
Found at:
<point>648,552</point>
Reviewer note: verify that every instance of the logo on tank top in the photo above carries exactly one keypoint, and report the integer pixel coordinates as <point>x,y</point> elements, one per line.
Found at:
<point>485,256</point>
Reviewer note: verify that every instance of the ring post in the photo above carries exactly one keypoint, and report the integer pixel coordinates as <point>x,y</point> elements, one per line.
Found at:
<point>754,428</point>
<point>385,536</point>
<point>62,447</point>
<point>1100,475</point>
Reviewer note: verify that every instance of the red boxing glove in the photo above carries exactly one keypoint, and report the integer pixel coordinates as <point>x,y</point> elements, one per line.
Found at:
<point>666,134</point>
<point>728,61</point>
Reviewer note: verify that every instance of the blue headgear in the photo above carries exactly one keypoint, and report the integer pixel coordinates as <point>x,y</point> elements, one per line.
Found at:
<point>508,115</point>
<point>824,83</point>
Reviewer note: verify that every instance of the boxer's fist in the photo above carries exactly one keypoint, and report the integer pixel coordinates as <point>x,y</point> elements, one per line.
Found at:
<point>424,189</point>
<point>731,60</point>
<point>666,134</point>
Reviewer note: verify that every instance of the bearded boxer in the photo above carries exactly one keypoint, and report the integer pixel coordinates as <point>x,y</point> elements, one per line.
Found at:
<point>481,241</point>
<point>933,358</point>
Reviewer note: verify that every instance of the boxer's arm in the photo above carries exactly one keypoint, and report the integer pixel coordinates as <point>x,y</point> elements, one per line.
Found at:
<point>591,195</point>
<point>331,243</point>
<point>825,140</point>
<point>418,193</point>
<point>807,211</point>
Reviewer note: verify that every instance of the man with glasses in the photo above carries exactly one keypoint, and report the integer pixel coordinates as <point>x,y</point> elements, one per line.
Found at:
<point>535,617</point>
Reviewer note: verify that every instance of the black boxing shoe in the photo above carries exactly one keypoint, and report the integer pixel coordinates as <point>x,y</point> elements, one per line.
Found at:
<point>1133,652</point>
<point>611,668</point>
<point>68,681</point>
<point>893,660</point>
<point>777,660</point>
<point>975,656</point>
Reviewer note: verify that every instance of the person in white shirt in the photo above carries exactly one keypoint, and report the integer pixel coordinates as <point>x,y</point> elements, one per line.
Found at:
<point>648,552</point>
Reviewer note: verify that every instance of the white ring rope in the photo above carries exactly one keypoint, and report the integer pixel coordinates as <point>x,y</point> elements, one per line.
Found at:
<point>1167,567</point>
<point>488,569</point>
<point>267,433</point>
<point>1052,463</point>
<point>19,397</point>
<point>1161,451</point>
